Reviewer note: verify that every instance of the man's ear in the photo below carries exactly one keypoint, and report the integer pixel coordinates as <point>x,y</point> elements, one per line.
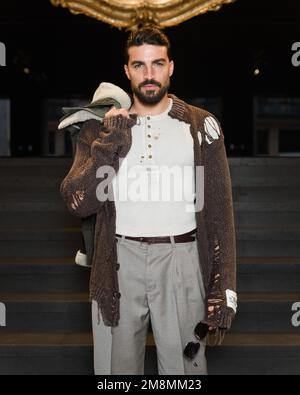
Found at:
<point>171,68</point>
<point>126,71</point>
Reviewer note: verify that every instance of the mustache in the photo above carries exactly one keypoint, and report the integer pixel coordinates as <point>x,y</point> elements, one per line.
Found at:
<point>150,82</point>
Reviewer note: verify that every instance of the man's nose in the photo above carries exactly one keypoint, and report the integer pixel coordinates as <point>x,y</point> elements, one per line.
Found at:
<point>149,73</point>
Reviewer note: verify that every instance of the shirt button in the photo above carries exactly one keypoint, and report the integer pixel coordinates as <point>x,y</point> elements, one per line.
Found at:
<point>148,118</point>
<point>149,145</point>
<point>149,135</point>
<point>150,156</point>
<point>149,126</point>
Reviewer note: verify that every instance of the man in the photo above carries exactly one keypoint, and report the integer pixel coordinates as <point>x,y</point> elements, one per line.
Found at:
<point>172,259</point>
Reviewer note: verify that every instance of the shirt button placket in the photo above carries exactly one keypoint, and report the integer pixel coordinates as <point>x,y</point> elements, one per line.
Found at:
<point>149,146</point>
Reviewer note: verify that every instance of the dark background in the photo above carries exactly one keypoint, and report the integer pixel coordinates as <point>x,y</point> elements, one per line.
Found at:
<point>215,56</point>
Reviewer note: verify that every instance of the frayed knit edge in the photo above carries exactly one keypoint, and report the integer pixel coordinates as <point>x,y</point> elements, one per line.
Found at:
<point>107,322</point>
<point>115,316</point>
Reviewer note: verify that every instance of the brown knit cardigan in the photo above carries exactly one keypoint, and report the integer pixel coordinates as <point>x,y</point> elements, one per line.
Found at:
<point>103,143</point>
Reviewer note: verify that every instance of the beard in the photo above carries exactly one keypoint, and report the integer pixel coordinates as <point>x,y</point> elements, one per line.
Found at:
<point>151,97</point>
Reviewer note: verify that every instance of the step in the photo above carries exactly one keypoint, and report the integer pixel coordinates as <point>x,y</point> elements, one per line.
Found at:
<point>52,275</point>
<point>285,177</point>
<point>265,312</point>
<point>34,167</point>
<point>38,193</point>
<point>275,241</point>
<point>42,275</point>
<point>53,354</point>
<point>64,242</point>
<point>247,166</point>
<point>267,248</point>
<point>33,188</point>
<point>265,219</point>
<point>270,207</point>
<point>268,274</point>
<point>39,234</point>
<point>256,354</point>
<point>55,214</point>
<point>46,353</point>
<point>18,180</point>
<point>278,233</point>
<point>40,249</point>
<point>33,176</point>
<point>60,217</point>
<point>44,232</point>
<point>267,194</point>
<point>71,312</point>
<point>39,242</point>
<point>38,206</point>
<point>72,354</point>
<point>10,219</point>
<point>264,171</point>
<point>67,312</point>
<point>261,172</point>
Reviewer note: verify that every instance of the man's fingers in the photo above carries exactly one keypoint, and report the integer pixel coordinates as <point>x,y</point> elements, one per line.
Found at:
<point>109,113</point>
<point>114,112</point>
<point>123,112</point>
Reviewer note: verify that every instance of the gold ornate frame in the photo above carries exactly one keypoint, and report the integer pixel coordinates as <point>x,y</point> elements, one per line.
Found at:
<point>130,14</point>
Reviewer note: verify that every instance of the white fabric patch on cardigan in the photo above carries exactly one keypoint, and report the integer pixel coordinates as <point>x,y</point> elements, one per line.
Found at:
<point>200,138</point>
<point>212,130</point>
<point>207,139</point>
<point>231,297</point>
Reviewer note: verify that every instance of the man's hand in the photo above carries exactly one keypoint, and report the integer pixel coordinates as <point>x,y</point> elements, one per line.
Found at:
<point>114,112</point>
<point>120,119</point>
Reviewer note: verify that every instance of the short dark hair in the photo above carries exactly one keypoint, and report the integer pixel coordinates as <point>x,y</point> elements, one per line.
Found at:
<point>147,35</point>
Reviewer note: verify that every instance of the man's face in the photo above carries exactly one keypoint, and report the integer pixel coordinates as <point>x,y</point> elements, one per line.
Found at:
<point>149,70</point>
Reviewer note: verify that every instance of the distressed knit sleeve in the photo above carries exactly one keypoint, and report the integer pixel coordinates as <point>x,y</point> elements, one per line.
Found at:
<point>99,147</point>
<point>221,229</point>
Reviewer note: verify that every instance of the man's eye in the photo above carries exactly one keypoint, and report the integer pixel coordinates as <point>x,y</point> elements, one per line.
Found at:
<point>136,66</point>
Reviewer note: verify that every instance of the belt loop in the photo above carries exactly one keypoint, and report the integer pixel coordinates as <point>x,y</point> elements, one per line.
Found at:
<point>173,242</point>
<point>122,239</point>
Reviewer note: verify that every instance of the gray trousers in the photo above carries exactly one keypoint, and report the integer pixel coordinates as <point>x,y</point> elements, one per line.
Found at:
<point>162,281</point>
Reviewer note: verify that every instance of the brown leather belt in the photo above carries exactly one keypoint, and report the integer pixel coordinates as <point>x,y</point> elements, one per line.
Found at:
<point>183,238</point>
